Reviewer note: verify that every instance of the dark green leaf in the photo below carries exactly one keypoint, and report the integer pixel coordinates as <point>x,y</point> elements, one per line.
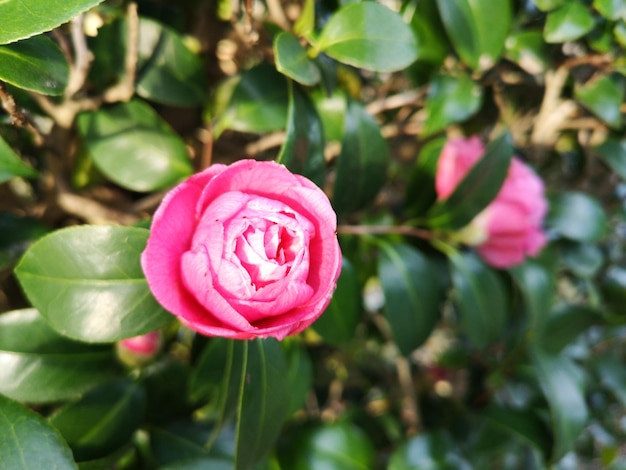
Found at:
<point>413,294</point>
<point>479,187</point>
<point>611,9</point>
<point>451,99</point>
<point>427,451</point>
<point>577,216</point>
<point>180,441</point>
<point>28,442</point>
<point>303,150</point>
<point>300,375</point>
<point>432,43</point>
<point>259,102</point>
<point>264,402</point>
<point>521,423</point>
<point>339,446</point>
<point>362,165</point>
<point>480,299</point>
<point>292,60</point>
<point>528,50</point>
<point>538,286</point>
<point>602,97</point>
<point>34,64</point>
<point>10,164</point>
<point>612,375</point>
<point>565,324</point>
<point>562,384</point>
<point>134,147</point>
<point>16,235</point>
<point>613,152</point>
<point>40,366</point>
<point>370,36</point>
<point>583,259</point>
<point>339,321</point>
<point>614,288</point>
<point>24,18</point>
<point>201,463</point>
<point>98,293</point>
<point>420,193</point>
<point>477,28</point>
<point>168,71</point>
<point>568,22</point>
<point>101,421</point>
<point>165,383</point>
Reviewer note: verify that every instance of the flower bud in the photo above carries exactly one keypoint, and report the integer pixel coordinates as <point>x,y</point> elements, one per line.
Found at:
<point>139,350</point>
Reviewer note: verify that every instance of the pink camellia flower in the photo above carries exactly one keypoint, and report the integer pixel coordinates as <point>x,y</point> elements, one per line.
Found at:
<point>244,251</point>
<point>510,228</point>
<point>139,350</point>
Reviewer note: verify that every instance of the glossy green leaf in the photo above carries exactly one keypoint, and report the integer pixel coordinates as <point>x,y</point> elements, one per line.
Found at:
<point>570,21</point>
<point>612,374</point>
<point>165,383</point>
<point>201,463</point>
<point>413,294</point>
<point>37,365</point>
<point>16,235</point>
<point>340,319</point>
<point>577,216</point>
<point>259,102</point>
<point>427,450</point>
<point>547,5</point>
<point>28,442</point>
<point>450,99</point>
<point>133,147</point>
<point>305,24</point>
<point>338,446</point>
<point>24,18</point>
<point>480,299</point>
<point>300,374</point>
<point>168,71</point>
<point>332,112</point>
<point>303,150</point>
<point>179,441</point>
<point>11,165</point>
<point>523,424</point>
<point>477,28</point>
<point>34,64</point>
<point>101,421</point>
<point>432,43</point>
<point>362,165</point>
<point>613,287</point>
<point>538,286</point>
<point>420,192</point>
<point>613,153</point>
<point>602,97</point>
<point>528,50</point>
<point>370,36</point>
<point>611,9</point>
<point>98,293</point>
<point>582,259</point>
<point>264,402</point>
<point>479,187</point>
<point>562,384</point>
<point>565,324</point>
<point>292,60</point>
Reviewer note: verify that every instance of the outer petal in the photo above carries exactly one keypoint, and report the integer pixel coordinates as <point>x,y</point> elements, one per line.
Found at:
<point>456,159</point>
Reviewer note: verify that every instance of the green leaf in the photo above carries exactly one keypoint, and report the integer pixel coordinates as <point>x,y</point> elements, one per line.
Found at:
<point>432,43</point>
<point>179,441</point>
<point>362,164</point>
<point>538,286</point>
<point>303,150</point>
<point>562,384</point>
<point>305,24</point>
<point>165,383</point>
<point>40,366</point>
<point>24,18</point>
<point>523,424</point>
<point>610,370</point>
<point>450,99</point>
<point>413,294</point>
<point>293,61</point>
<point>28,442</point>
<point>340,319</point>
<point>602,97</point>
<point>259,102</point>
<point>168,72</point>
<point>16,235</point>
<point>547,5</point>
<point>98,293</point>
<point>201,463</point>
<point>300,374</point>
<point>338,446</point>
<point>101,421</point>
<point>34,64</point>
<point>479,187</point>
<point>332,112</point>
<point>480,299</point>
<point>427,450</point>
<point>613,288</point>
<point>565,324</point>
<point>264,402</point>
<point>421,193</point>
<point>613,152</point>
<point>570,21</point>
<point>11,165</point>
<point>611,9</point>
<point>577,216</point>
<point>477,28</point>
<point>370,36</point>
<point>133,147</point>
<point>528,50</point>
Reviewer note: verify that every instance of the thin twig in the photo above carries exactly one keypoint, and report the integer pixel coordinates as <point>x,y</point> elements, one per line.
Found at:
<point>82,58</point>
<point>125,88</point>
<point>384,230</point>
<point>19,117</point>
<point>412,97</point>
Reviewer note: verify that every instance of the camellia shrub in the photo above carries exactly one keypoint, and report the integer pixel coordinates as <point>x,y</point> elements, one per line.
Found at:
<point>304,235</point>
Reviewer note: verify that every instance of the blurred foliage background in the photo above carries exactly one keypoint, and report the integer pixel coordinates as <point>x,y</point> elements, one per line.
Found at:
<point>426,358</point>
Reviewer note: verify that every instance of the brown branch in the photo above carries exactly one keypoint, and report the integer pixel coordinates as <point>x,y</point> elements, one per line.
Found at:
<point>124,90</point>
<point>19,117</point>
<point>83,57</point>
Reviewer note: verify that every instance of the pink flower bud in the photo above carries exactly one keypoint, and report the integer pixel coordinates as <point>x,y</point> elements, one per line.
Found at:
<point>139,350</point>
<point>510,228</point>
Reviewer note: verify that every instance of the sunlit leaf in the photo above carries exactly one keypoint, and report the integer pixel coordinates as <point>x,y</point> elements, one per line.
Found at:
<point>568,22</point>
<point>292,60</point>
